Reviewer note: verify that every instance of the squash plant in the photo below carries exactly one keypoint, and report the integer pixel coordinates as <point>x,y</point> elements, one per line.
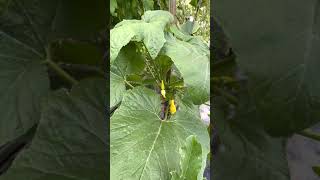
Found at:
<point>158,76</point>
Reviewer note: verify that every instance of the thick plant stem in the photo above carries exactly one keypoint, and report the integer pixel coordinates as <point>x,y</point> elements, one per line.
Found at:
<point>308,133</point>
<point>61,72</point>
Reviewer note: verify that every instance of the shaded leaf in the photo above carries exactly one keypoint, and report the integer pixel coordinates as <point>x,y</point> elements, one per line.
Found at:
<point>246,151</point>
<point>79,19</point>
<point>23,76</point>
<point>70,142</point>
<point>316,169</point>
<point>279,52</point>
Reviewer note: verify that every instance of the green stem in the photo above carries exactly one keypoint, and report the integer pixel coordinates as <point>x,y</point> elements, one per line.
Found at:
<point>61,72</point>
<point>128,84</point>
<point>308,133</point>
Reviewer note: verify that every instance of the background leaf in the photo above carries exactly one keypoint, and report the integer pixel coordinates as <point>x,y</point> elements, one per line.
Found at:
<point>23,76</point>
<point>70,142</point>
<point>279,52</point>
<point>246,151</point>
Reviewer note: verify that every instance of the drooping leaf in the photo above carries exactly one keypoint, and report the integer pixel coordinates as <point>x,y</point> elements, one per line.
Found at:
<point>192,60</point>
<point>70,142</point>
<point>149,30</point>
<point>129,62</point>
<point>145,147</point>
<point>279,52</point>
<point>246,151</point>
<point>191,160</point>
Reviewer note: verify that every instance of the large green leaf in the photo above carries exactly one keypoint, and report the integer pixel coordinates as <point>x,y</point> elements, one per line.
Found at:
<point>23,79</point>
<point>192,59</point>
<point>26,27</point>
<point>145,147</point>
<point>191,160</point>
<point>149,30</point>
<point>278,47</point>
<point>129,62</point>
<point>246,151</point>
<point>70,142</point>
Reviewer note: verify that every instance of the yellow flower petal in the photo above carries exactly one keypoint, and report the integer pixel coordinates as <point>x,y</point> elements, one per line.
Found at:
<point>163,93</point>
<point>162,85</point>
<point>172,107</point>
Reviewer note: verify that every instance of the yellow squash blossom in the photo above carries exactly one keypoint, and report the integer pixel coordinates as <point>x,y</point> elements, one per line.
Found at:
<point>163,91</point>
<point>172,107</point>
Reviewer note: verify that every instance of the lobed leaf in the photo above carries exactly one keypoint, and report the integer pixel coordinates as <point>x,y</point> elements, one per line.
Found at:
<point>145,147</point>
<point>149,30</point>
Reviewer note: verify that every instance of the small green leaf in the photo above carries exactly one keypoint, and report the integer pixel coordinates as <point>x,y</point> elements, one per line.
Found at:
<point>145,147</point>
<point>70,142</point>
<point>191,160</point>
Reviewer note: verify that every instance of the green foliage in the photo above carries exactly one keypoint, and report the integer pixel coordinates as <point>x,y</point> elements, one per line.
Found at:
<point>149,30</point>
<point>276,96</point>
<point>143,54</point>
<point>316,170</point>
<point>286,98</point>
<point>137,125</point>
<point>40,45</point>
<point>189,59</point>
<point>71,137</point>
<point>201,25</point>
<point>190,162</point>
